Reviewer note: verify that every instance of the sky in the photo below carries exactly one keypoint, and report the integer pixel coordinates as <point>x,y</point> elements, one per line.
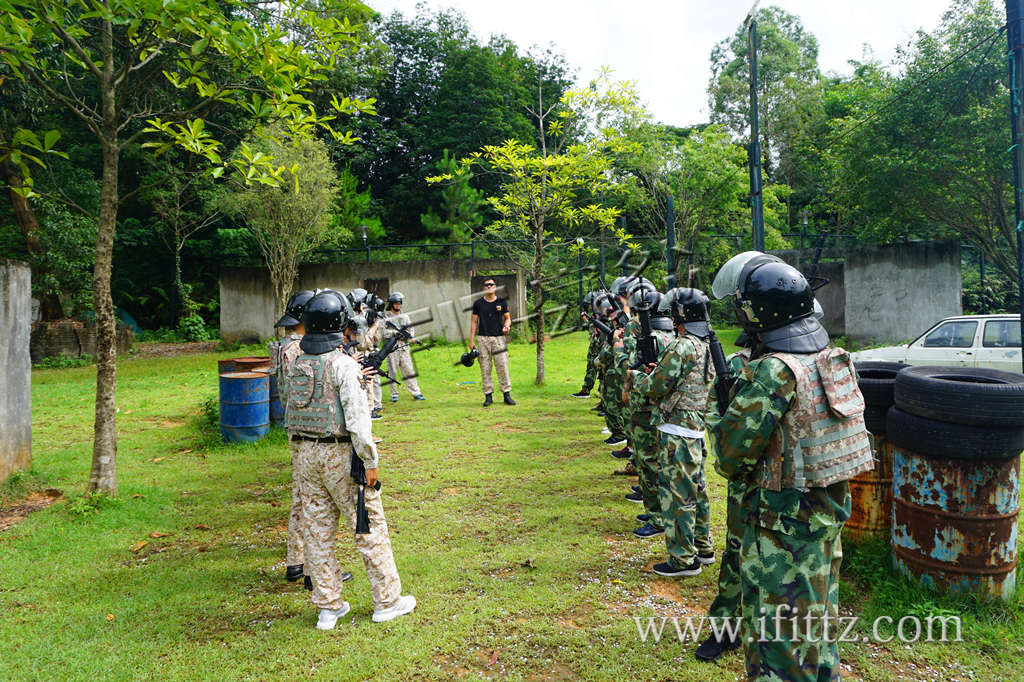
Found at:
<point>665,45</point>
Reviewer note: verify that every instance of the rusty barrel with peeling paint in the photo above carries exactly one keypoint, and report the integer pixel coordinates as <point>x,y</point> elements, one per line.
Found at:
<point>871,493</point>
<point>244,406</point>
<point>955,522</point>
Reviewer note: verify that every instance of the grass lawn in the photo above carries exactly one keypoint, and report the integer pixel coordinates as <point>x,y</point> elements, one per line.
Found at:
<point>507,526</point>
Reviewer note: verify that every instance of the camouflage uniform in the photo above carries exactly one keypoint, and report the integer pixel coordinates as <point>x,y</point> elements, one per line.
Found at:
<point>679,386</point>
<point>367,344</point>
<point>283,354</point>
<point>592,350</point>
<point>325,486</point>
<point>611,390</point>
<point>779,426</point>
<point>726,603</point>
<point>642,421</point>
<point>400,361</point>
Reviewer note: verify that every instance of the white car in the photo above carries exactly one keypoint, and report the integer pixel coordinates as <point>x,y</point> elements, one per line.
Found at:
<point>965,341</point>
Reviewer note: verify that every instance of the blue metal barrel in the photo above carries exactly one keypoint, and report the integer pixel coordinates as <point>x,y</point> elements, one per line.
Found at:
<point>276,408</point>
<point>955,522</point>
<point>244,406</point>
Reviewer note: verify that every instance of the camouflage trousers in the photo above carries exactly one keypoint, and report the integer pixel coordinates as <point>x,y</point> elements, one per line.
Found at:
<point>327,492</point>
<point>373,393</point>
<point>611,391</point>
<point>792,573</point>
<point>296,552</point>
<point>400,367</point>
<point>727,602</point>
<point>683,494</point>
<point>493,349</point>
<point>644,439</point>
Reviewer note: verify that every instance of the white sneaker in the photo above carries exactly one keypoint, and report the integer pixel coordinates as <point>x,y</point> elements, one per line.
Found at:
<point>328,618</point>
<point>405,604</point>
<point>606,431</point>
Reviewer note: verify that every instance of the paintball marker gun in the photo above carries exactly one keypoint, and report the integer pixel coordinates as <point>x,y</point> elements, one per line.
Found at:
<point>359,476</point>
<point>724,376</point>
<point>375,359</point>
<point>599,325</point>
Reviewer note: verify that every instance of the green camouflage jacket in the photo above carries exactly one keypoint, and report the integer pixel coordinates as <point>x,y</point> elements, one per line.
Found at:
<point>677,374</point>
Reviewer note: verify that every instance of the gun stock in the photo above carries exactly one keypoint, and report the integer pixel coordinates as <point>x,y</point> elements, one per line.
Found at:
<point>724,378</point>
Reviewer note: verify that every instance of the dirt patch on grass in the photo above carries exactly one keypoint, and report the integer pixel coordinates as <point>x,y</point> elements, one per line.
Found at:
<point>15,514</point>
<point>155,349</point>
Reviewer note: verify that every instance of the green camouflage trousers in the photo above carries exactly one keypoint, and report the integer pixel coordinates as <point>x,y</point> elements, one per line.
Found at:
<point>644,439</point>
<point>683,494</point>
<point>592,350</point>
<point>611,400</point>
<point>727,601</point>
<point>790,571</point>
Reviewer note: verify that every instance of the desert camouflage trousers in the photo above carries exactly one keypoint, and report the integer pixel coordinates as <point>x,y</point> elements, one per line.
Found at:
<point>328,492</point>
<point>643,437</point>
<point>400,367</point>
<point>373,394</point>
<point>727,602</point>
<point>683,494</point>
<point>296,551</point>
<point>493,349</point>
<point>793,573</point>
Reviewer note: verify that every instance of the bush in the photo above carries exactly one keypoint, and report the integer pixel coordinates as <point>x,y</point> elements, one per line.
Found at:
<point>64,362</point>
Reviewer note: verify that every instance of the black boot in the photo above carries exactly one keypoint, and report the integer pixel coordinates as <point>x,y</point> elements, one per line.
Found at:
<point>508,398</point>
<point>711,648</point>
<point>487,400</point>
<point>293,573</point>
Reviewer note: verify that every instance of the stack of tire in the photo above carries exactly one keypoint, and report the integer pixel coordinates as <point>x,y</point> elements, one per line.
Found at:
<point>871,515</point>
<point>957,433</point>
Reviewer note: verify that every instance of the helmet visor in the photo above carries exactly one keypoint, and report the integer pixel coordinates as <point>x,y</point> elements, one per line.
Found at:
<point>727,281</point>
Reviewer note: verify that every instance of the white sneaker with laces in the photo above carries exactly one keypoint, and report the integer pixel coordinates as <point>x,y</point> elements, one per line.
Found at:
<point>405,604</point>
<point>606,431</point>
<point>328,618</point>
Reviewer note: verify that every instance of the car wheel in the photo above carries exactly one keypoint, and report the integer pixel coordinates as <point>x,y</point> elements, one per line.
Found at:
<point>962,395</point>
<point>876,381</point>
<point>957,441</point>
<point>874,419</point>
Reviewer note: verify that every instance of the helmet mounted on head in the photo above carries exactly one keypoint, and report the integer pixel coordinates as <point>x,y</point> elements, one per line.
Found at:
<point>688,307</point>
<point>325,317</point>
<point>293,310</point>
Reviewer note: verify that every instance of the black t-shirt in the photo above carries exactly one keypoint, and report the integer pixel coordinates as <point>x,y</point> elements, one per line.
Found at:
<point>491,314</point>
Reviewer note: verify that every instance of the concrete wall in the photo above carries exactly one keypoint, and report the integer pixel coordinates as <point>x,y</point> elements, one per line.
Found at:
<point>437,293</point>
<point>885,293</point>
<point>16,373</point>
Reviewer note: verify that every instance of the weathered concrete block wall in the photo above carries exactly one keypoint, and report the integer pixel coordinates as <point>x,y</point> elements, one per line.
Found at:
<point>883,293</point>
<point>437,293</point>
<point>16,373</point>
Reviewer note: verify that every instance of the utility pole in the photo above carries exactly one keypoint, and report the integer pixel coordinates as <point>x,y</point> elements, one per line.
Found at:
<point>670,243</point>
<point>1015,40</point>
<point>754,150</point>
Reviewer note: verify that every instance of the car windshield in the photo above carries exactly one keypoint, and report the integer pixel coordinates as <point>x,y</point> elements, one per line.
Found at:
<point>956,334</point>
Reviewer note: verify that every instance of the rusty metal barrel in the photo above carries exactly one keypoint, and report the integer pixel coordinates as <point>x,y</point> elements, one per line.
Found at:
<point>955,522</point>
<point>871,493</point>
<point>225,366</point>
<point>244,406</point>
<point>251,363</point>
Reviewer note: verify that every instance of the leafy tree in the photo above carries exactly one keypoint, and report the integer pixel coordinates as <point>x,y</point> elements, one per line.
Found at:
<point>460,206</point>
<point>291,219</point>
<point>145,72</point>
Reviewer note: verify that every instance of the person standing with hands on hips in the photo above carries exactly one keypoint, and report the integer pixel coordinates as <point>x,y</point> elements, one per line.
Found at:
<point>491,321</point>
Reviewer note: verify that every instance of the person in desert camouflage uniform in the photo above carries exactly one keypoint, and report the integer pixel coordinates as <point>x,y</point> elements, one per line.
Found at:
<point>795,423</point>
<point>678,384</point>
<point>328,419</point>
<point>400,360</point>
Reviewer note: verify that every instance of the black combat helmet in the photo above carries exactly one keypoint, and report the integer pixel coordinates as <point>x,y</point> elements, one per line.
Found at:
<point>395,297</point>
<point>293,310</point>
<point>357,297</point>
<point>644,296</point>
<point>325,317</point>
<point>619,285</point>
<point>772,300</point>
<point>688,307</point>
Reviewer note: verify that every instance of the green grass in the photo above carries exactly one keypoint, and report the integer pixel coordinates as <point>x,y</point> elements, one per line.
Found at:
<point>506,525</point>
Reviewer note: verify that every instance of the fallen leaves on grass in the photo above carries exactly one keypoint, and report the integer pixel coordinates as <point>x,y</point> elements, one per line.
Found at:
<point>159,534</point>
<point>138,545</point>
<point>110,616</point>
<point>156,459</point>
<point>202,526</point>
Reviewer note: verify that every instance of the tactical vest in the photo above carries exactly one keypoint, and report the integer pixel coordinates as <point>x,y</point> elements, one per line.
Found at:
<point>314,407</point>
<point>277,352</point>
<point>691,391</point>
<point>822,439</point>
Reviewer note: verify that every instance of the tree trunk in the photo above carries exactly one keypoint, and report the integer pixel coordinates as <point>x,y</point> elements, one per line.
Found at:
<point>103,477</point>
<point>538,301</point>
<point>179,292</point>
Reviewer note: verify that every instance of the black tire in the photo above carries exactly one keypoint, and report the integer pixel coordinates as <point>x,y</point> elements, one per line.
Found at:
<point>874,419</point>
<point>962,395</point>
<point>876,381</point>
<point>958,441</point>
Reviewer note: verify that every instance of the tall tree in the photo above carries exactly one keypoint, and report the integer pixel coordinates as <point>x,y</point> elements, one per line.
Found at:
<point>112,57</point>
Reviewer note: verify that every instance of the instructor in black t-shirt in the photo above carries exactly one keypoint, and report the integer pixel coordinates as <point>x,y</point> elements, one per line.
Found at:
<point>491,321</point>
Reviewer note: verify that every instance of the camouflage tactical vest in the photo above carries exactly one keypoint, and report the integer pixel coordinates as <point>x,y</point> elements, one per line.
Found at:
<point>822,439</point>
<point>691,391</point>
<point>277,356</point>
<point>314,407</point>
